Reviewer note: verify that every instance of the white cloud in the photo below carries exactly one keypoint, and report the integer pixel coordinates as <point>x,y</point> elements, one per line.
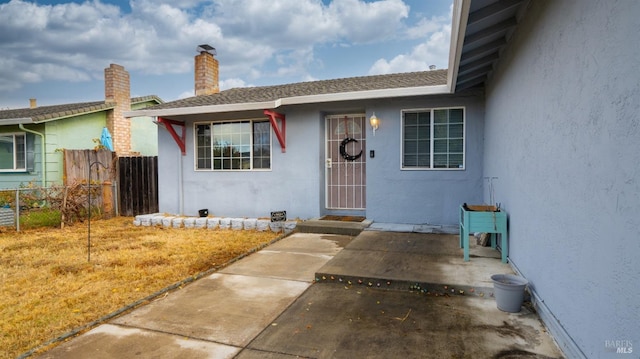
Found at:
<point>426,26</point>
<point>434,50</point>
<point>362,22</point>
<point>279,23</point>
<point>20,16</point>
<point>233,83</point>
<point>288,31</point>
<point>294,23</point>
<point>80,40</point>
<point>254,38</point>
<point>186,94</point>
<point>295,62</point>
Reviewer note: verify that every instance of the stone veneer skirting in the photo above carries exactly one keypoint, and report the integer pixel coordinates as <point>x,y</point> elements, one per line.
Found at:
<point>168,221</point>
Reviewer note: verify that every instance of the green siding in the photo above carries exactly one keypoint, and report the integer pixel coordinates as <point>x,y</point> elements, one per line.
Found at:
<point>144,133</point>
<point>75,133</point>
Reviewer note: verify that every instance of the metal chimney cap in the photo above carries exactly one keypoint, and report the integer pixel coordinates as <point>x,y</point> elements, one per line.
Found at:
<point>206,48</point>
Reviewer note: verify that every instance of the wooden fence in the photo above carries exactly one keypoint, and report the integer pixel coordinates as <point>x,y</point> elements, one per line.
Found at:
<point>136,177</point>
<point>138,185</point>
<point>77,163</point>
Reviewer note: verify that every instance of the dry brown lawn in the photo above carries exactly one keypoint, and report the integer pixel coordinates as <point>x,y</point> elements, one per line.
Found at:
<point>49,288</point>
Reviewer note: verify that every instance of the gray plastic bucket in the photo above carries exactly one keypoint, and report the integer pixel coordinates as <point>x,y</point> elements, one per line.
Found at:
<point>509,291</point>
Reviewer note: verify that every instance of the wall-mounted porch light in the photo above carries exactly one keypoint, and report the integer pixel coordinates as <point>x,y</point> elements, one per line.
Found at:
<point>374,122</point>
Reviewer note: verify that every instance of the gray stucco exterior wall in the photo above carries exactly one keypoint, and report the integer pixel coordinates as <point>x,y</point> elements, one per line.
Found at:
<point>422,196</point>
<point>290,185</point>
<point>296,184</point>
<point>562,134</point>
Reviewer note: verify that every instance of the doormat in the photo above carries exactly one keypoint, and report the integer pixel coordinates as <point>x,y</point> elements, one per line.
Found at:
<point>342,218</point>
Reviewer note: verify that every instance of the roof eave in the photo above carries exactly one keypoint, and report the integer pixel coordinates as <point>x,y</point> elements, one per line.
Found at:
<point>143,99</point>
<point>296,100</point>
<point>196,110</point>
<point>368,94</point>
<point>459,20</point>
<point>68,114</point>
<point>16,121</point>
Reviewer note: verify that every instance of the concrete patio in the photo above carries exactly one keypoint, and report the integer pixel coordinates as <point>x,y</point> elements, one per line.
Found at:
<point>381,294</point>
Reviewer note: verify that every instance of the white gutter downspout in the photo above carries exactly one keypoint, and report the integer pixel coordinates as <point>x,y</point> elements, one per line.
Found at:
<point>180,181</point>
<point>42,150</point>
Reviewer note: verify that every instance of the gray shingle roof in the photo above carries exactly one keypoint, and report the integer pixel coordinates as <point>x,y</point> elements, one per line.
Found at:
<point>146,99</point>
<point>344,85</point>
<point>43,113</point>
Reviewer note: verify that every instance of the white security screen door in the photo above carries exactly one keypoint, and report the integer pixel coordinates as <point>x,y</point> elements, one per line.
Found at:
<point>345,162</point>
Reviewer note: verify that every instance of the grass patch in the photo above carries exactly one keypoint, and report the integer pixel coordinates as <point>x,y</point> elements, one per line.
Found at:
<point>49,288</point>
<point>41,217</point>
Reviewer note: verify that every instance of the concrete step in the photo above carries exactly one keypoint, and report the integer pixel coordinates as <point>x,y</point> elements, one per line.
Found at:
<point>431,264</point>
<point>426,288</point>
<point>317,225</point>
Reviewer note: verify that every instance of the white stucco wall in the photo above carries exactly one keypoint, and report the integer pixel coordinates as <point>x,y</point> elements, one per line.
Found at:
<point>562,134</point>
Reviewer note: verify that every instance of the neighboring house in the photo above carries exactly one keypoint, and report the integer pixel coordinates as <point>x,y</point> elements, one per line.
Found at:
<point>71,126</point>
<point>539,111</point>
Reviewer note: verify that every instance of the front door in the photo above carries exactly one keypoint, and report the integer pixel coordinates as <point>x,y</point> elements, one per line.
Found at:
<point>345,162</point>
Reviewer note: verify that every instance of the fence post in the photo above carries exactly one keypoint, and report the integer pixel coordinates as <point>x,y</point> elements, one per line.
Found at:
<point>17,209</point>
<point>116,194</point>
<point>107,199</point>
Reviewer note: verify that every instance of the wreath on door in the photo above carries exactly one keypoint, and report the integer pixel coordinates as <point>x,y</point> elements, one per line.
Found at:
<point>343,150</point>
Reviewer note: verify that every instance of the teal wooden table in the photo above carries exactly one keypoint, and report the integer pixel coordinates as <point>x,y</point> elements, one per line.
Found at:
<point>483,219</point>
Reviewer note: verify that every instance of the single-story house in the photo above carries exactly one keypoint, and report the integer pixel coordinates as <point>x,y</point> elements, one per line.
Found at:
<point>72,126</point>
<point>250,151</point>
<point>538,112</point>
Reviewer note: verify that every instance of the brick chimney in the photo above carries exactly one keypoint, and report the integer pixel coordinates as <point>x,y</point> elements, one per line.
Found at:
<point>116,89</point>
<point>33,103</point>
<point>206,71</point>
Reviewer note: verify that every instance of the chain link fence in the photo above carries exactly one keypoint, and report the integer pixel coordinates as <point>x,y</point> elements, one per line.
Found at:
<point>38,207</point>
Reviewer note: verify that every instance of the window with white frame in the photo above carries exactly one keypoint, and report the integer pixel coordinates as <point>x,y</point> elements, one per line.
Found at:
<point>433,138</point>
<point>13,152</point>
<point>233,145</point>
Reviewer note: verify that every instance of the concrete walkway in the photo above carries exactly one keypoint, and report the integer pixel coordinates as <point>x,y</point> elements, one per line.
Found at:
<point>382,294</point>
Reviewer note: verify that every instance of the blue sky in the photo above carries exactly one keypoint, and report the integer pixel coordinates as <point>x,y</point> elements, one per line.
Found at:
<point>56,51</point>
